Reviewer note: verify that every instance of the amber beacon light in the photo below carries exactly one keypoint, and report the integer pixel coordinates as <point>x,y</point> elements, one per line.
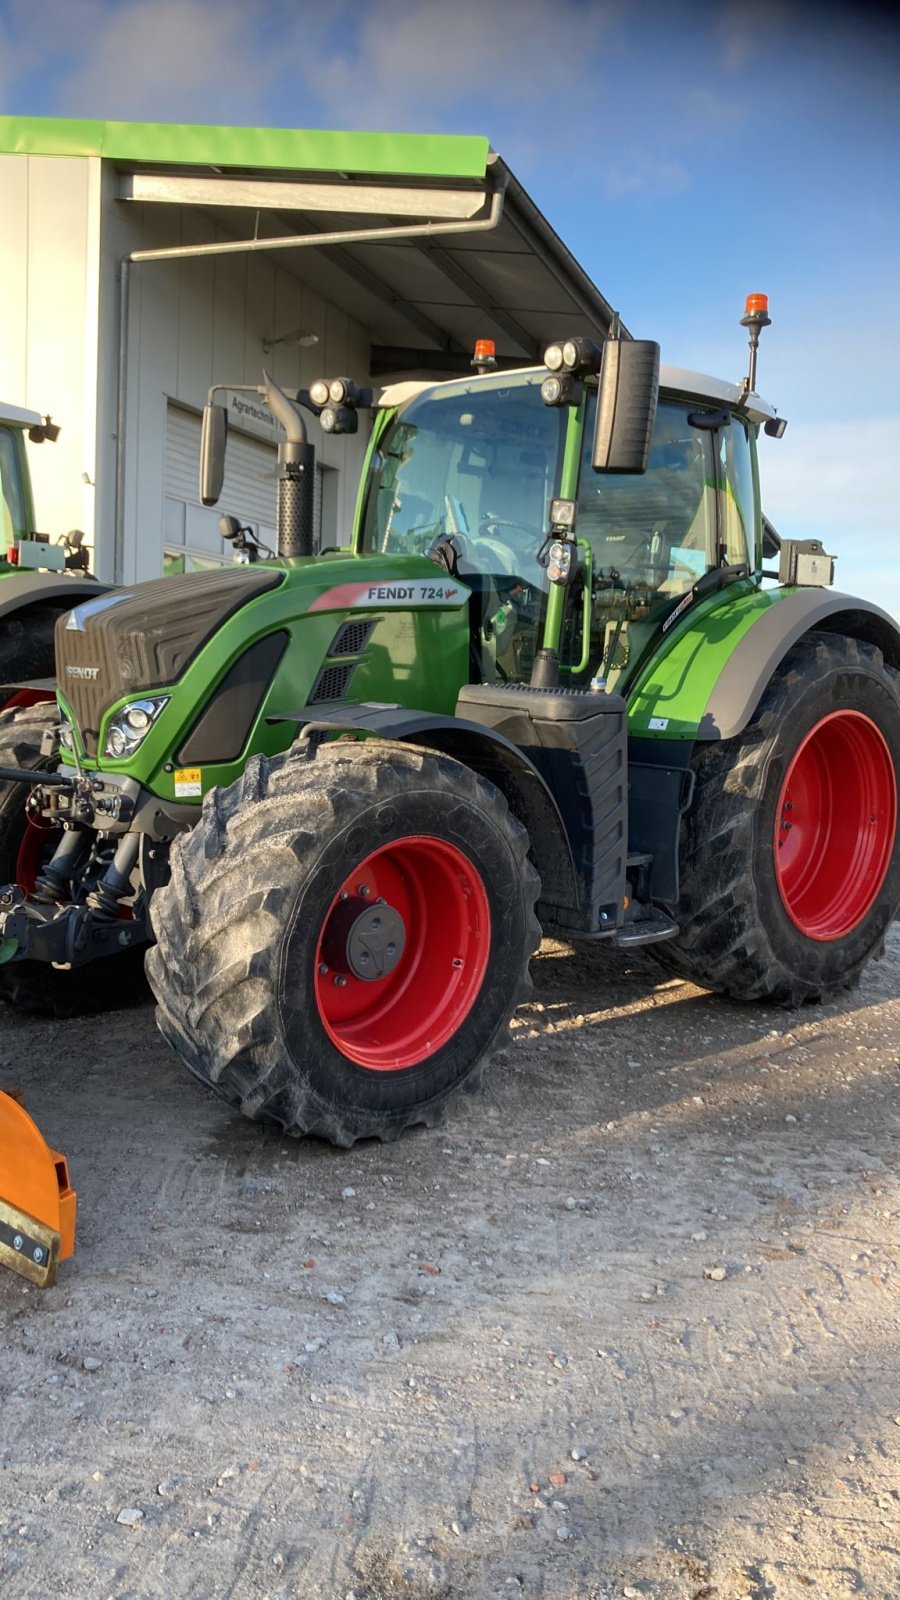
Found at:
<point>756,316</point>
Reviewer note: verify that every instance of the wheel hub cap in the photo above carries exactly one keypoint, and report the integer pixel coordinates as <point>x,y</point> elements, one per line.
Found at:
<point>366,940</point>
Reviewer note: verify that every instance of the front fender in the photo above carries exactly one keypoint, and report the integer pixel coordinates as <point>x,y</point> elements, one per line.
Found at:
<point>486,752</point>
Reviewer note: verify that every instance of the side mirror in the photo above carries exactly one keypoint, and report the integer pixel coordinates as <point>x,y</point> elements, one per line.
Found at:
<point>626,405</point>
<point>212,453</point>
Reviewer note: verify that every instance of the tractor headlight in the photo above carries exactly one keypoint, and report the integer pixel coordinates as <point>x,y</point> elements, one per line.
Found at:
<point>126,730</point>
<point>559,561</point>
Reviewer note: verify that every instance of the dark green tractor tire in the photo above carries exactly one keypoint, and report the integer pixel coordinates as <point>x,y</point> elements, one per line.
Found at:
<point>32,986</point>
<point>344,938</point>
<point>789,861</point>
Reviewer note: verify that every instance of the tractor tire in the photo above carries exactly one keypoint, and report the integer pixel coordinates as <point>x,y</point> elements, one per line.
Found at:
<point>32,986</point>
<point>305,877</point>
<point>789,861</point>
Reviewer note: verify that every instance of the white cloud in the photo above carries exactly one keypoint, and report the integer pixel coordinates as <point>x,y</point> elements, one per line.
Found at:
<point>746,33</point>
<point>167,60</point>
<point>412,59</point>
<point>153,60</point>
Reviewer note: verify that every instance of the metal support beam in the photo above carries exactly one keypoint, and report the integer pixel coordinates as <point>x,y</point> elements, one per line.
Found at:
<point>462,279</point>
<point>381,289</point>
<point>263,194</point>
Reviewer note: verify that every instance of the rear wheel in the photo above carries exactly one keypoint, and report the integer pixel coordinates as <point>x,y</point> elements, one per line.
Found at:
<point>344,938</point>
<point>26,844</point>
<point>790,869</point>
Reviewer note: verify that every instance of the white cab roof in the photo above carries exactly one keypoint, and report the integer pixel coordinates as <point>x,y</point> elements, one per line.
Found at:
<point>18,416</point>
<point>679,379</point>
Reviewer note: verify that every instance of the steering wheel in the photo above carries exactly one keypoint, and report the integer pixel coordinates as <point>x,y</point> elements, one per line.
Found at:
<point>476,555</point>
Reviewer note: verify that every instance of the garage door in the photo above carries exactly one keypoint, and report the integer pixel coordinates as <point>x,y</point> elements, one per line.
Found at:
<point>248,492</point>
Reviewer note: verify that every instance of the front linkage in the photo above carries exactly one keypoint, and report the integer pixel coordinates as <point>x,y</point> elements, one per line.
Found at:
<point>88,898</point>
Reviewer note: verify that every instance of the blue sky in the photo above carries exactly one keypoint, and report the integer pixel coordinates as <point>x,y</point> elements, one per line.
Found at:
<point>687,155</point>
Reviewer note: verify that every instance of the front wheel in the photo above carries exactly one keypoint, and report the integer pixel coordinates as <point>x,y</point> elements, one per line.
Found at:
<point>790,868</point>
<point>344,938</point>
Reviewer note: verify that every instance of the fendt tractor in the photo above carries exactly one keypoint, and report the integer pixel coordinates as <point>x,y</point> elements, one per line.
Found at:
<point>337,795</point>
<point>41,577</point>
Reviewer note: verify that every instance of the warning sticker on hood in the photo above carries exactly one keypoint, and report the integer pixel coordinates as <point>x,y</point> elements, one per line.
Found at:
<point>187,782</point>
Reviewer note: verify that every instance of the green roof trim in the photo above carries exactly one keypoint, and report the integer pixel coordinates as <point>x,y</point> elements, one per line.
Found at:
<point>434,155</point>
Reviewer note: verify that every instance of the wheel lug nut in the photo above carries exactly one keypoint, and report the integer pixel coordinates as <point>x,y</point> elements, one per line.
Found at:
<point>364,890</point>
<point>340,983</point>
<point>323,969</point>
<point>457,961</point>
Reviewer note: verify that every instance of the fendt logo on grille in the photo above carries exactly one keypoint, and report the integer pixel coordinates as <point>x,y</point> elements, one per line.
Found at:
<point>83,672</point>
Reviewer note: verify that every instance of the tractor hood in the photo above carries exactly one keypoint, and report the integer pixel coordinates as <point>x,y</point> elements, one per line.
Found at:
<point>188,630</point>
<point>144,638</point>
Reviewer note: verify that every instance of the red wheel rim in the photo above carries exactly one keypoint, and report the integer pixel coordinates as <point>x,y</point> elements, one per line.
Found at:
<point>835,825</point>
<point>405,1016</point>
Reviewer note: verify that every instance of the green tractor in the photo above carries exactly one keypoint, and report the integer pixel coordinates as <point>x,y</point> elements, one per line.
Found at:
<point>40,579</point>
<point>339,794</point>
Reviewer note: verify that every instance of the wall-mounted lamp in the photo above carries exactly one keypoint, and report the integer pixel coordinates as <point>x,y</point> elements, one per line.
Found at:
<point>302,336</point>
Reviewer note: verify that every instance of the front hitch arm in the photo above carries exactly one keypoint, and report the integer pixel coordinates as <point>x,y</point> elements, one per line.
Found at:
<point>36,779</point>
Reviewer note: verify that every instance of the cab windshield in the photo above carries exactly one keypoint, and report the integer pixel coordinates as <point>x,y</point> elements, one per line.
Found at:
<point>477,461</point>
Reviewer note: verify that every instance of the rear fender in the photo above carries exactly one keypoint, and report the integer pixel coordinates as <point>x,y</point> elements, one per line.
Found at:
<point>749,669</point>
<point>708,677</point>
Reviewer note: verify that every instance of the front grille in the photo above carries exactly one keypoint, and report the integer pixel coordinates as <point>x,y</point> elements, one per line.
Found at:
<point>332,682</point>
<point>141,639</point>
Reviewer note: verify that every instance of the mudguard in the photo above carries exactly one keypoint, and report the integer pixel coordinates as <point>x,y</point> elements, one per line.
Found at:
<point>707,682</point>
<point>19,590</point>
<point>477,746</point>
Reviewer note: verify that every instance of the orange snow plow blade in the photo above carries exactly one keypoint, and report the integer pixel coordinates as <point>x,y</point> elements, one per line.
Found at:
<point>37,1202</point>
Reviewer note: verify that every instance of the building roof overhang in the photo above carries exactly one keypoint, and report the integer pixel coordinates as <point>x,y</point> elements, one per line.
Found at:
<point>428,240</point>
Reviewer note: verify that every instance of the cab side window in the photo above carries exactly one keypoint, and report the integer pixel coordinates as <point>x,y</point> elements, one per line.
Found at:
<point>739,497</point>
<point>653,535</point>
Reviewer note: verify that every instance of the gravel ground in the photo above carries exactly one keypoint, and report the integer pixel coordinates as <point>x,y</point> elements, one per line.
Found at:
<point>626,1326</point>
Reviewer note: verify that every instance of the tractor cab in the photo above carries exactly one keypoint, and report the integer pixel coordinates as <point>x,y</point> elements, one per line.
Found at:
<point>488,476</point>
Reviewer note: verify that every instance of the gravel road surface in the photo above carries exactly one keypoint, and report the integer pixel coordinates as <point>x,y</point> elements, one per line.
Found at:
<point>626,1326</point>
